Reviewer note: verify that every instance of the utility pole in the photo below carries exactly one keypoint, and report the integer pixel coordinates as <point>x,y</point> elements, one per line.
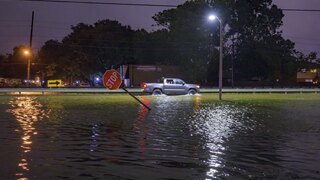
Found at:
<point>30,49</point>
<point>220,59</point>
<point>212,18</point>
<point>232,64</point>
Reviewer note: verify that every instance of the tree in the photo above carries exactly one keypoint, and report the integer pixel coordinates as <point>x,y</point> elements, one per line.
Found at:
<point>52,55</point>
<point>152,48</point>
<point>3,62</point>
<point>260,50</point>
<point>91,49</point>
<point>192,38</point>
<point>15,64</point>
<point>308,61</point>
<point>252,40</point>
<point>99,46</point>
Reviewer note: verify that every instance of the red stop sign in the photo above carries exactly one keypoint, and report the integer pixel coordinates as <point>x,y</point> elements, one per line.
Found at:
<point>112,79</point>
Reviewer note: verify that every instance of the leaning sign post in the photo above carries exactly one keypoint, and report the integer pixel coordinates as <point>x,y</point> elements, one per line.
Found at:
<point>112,80</point>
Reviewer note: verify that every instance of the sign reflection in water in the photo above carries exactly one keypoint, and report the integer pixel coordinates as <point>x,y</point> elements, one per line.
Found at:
<point>141,127</point>
<point>27,112</point>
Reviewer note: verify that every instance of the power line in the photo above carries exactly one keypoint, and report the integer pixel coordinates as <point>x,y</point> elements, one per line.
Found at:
<point>302,10</point>
<point>104,3</point>
<point>144,4</point>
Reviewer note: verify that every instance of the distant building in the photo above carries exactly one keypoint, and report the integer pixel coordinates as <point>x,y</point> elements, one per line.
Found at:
<point>134,75</point>
<point>308,76</point>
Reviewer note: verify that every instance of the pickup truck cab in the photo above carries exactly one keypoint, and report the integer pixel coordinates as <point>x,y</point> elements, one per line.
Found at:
<point>170,86</point>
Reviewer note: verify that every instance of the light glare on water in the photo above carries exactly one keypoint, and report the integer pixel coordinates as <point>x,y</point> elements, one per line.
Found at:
<point>182,137</point>
<point>27,112</point>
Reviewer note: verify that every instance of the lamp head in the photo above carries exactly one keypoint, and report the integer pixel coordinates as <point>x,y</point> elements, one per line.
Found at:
<point>212,17</point>
<point>26,52</point>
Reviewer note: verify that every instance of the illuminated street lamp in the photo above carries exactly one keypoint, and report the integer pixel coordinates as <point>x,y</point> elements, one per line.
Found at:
<point>213,18</point>
<point>28,53</point>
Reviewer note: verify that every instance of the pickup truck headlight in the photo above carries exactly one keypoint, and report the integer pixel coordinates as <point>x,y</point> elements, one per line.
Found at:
<point>197,86</point>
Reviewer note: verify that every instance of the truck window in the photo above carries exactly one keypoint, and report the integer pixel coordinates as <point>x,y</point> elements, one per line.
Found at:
<point>169,81</point>
<point>178,81</point>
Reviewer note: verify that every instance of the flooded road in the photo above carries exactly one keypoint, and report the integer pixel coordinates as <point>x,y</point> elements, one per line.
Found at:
<point>182,137</point>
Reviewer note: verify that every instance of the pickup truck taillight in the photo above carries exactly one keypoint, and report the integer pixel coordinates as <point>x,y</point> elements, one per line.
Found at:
<point>143,85</point>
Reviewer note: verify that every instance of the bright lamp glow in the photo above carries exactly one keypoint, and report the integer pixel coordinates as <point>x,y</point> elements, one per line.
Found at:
<point>26,52</point>
<point>212,17</point>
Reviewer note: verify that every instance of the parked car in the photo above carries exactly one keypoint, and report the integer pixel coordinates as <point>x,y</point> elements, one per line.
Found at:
<point>170,86</point>
<point>84,84</point>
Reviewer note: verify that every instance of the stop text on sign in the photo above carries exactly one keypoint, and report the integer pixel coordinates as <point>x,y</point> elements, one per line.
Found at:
<point>112,79</point>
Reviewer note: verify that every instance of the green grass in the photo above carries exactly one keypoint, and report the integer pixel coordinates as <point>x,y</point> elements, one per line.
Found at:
<point>263,96</point>
<point>276,102</point>
<point>96,100</point>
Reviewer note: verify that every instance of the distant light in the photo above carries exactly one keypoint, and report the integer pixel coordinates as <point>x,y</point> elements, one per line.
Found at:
<point>26,52</point>
<point>212,17</point>
<point>97,79</point>
<point>77,82</point>
<point>25,81</point>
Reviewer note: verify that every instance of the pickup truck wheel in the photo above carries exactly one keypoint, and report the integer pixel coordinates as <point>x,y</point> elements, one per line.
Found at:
<point>156,92</point>
<point>192,92</point>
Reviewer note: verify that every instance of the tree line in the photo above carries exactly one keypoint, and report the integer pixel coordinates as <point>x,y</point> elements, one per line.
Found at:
<point>253,46</point>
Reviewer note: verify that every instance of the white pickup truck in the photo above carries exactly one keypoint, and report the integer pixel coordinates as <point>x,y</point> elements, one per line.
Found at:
<point>170,86</point>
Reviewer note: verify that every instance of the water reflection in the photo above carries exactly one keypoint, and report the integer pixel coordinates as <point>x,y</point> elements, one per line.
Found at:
<point>215,123</point>
<point>140,126</point>
<point>182,137</point>
<point>27,112</point>
<point>167,108</point>
<point>95,133</point>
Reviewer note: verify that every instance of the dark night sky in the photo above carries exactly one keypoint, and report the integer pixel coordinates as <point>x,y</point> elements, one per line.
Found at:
<point>53,20</point>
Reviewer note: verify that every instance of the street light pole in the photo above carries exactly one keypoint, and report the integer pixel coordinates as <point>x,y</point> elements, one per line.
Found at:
<point>220,60</point>
<point>212,18</point>
<point>28,69</point>
<point>27,53</point>
<point>30,49</point>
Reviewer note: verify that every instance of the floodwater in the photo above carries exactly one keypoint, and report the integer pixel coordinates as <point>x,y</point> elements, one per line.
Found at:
<point>182,137</point>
